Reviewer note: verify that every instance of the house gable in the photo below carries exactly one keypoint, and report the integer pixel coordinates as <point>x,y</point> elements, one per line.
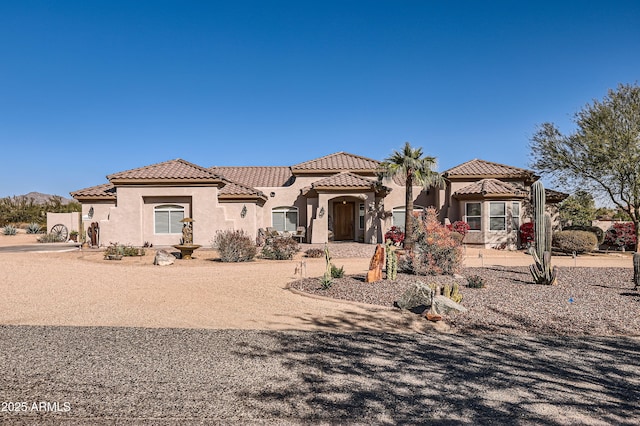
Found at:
<point>481,169</point>
<point>176,171</point>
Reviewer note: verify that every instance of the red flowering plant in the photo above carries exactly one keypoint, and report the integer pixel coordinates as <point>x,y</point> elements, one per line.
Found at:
<point>621,235</point>
<point>394,234</point>
<point>459,226</point>
<point>526,233</point>
<point>436,250</point>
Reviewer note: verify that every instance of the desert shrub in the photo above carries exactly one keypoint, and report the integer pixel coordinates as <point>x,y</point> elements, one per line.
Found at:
<point>475,281</point>
<point>337,272</point>
<point>599,233</point>
<point>578,241</point>
<point>116,249</point>
<point>395,235</point>
<point>621,235</point>
<point>526,233</point>
<point>234,246</point>
<point>50,238</point>
<point>435,252</point>
<point>280,248</point>
<point>9,230</point>
<point>314,252</point>
<point>34,228</point>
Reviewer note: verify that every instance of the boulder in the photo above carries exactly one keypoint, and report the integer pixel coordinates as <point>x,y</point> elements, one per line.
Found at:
<point>375,266</point>
<point>444,305</point>
<point>418,294</point>
<point>163,258</point>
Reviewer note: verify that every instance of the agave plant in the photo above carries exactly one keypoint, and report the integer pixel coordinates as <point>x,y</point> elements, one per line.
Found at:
<point>9,230</point>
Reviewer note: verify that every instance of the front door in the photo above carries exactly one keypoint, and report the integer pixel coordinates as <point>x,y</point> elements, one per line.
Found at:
<point>343,220</point>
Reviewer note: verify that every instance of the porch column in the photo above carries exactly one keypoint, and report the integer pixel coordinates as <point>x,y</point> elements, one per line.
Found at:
<point>371,220</point>
<point>320,221</point>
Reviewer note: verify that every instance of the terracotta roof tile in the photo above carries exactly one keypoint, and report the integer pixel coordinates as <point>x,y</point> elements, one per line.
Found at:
<point>233,189</point>
<point>339,161</point>
<point>104,191</point>
<point>169,170</point>
<point>256,176</point>
<point>490,187</point>
<point>486,168</point>
<point>344,180</point>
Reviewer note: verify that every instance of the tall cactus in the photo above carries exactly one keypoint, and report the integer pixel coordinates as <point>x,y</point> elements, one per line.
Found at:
<point>391,262</point>
<point>636,271</point>
<point>542,271</point>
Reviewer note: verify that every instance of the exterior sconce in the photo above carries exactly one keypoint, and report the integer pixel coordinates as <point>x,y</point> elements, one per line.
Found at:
<point>272,194</point>
<point>321,213</point>
<point>243,212</point>
<point>90,213</point>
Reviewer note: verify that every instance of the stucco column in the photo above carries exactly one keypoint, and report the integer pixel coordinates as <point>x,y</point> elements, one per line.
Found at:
<point>320,221</point>
<point>371,219</point>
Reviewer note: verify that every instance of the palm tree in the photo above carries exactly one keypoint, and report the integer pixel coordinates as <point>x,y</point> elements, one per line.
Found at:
<point>414,168</point>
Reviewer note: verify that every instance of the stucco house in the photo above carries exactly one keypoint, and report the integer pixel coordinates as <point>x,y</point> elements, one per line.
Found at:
<point>337,197</point>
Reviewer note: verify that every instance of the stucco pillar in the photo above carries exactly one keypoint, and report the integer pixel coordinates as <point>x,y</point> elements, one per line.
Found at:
<point>372,222</point>
<point>320,222</point>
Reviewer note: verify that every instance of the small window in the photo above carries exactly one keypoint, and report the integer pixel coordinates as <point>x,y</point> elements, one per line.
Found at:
<point>167,219</point>
<point>497,216</point>
<point>473,216</point>
<point>399,215</point>
<point>285,219</point>
<point>515,215</point>
<point>361,216</point>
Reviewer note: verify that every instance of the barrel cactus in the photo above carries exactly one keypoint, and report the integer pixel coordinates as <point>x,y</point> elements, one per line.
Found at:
<point>542,271</point>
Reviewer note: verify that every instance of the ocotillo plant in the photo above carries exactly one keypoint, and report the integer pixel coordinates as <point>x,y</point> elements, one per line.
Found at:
<point>542,271</point>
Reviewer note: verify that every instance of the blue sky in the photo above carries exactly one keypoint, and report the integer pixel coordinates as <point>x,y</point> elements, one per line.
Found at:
<point>90,88</point>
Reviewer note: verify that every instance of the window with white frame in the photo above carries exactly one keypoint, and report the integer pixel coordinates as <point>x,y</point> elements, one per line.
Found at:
<point>361,216</point>
<point>515,215</point>
<point>497,216</point>
<point>284,219</point>
<point>473,216</point>
<point>398,215</point>
<point>167,219</point>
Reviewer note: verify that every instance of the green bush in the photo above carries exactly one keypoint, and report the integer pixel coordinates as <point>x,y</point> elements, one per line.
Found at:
<point>34,228</point>
<point>578,241</point>
<point>281,248</point>
<point>314,252</point>
<point>234,246</point>
<point>475,281</point>
<point>115,249</point>
<point>596,230</point>
<point>9,230</point>
<point>337,272</point>
<point>50,238</point>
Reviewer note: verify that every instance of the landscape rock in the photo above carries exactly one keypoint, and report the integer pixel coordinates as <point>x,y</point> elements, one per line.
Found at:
<point>418,294</point>
<point>375,266</point>
<point>163,258</point>
<point>444,305</point>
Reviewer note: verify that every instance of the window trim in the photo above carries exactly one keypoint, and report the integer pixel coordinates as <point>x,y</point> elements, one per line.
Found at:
<point>466,216</point>
<point>168,208</point>
<point>285,210</point>
<point>361,216</point>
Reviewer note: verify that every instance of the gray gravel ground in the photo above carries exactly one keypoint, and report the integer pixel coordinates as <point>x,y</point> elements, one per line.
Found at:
<point>178,376</point>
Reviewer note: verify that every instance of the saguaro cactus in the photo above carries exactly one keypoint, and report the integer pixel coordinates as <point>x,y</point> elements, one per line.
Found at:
<point>542,271</point>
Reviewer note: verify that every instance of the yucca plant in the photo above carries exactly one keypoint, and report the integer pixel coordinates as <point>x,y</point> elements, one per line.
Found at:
<point>9,230</point>
<point>34,228</point>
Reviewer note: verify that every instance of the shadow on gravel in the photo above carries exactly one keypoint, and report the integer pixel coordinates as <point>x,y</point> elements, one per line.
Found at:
<point>400,379</point>
<point>112,375</point>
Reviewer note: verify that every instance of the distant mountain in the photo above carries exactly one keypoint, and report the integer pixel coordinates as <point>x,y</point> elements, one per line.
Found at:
<point>40,198</point>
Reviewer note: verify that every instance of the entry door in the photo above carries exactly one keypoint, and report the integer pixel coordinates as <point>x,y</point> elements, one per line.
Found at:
<point>343,220</point>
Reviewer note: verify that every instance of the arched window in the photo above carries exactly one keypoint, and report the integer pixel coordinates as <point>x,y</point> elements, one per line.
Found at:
<point>167,219</point>
<point>399,215</point>
<point>284,219</point>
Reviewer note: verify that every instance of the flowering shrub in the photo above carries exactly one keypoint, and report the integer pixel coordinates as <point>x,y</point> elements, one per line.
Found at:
<point>436,251</point>
<point>622,234</point>
<point>526,233</point>
<point>459,226</point>
<point>394,234</point>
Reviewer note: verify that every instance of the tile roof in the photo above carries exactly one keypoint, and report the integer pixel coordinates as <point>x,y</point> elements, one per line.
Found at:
<point>484,168</point>
<point>339,161</point>
<point>256,176</point>
<point>104,191</point>
<point>177,169</point>
<point>235,190</point>
<point>490,187</point>
<point>344,180</point>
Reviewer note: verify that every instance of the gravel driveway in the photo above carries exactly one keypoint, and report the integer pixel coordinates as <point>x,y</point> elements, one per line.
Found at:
<point>178,376</point>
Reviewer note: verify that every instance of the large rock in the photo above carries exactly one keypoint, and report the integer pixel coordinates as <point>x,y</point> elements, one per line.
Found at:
<point>375,266</point>
<point>418,294</point>
<point>444,305</point>
<point>164,258</point>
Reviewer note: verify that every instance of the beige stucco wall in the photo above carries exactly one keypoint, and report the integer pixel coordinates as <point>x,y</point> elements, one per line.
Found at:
<point>70,220</point>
